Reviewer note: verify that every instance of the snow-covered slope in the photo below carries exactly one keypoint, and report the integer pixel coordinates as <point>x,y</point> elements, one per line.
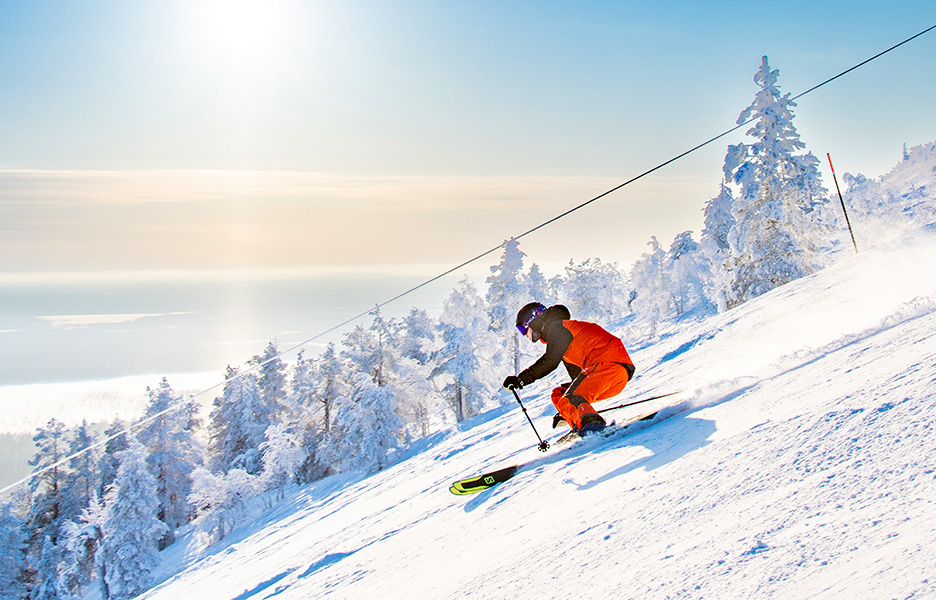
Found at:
<point>801,464</point>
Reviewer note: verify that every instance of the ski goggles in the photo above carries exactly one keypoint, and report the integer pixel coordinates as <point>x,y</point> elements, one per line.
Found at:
<point>525,326</point>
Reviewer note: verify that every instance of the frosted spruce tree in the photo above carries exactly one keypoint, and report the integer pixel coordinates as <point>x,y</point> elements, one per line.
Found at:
<point>591,290</point>
<point>305,424</point>
<point>374,352</point>
<point>507,292</point>
<point>220,501</point>
<point>81,480</point>
<point>539,286</point>
<point>47,510</point>
<point>282,454</point>
<point>238,423</point>
<point>650,280</point>
<point>778,234</point>
<point>47,572</point>
<point>13,572</point>
<point>719,220</point>
<point>368,427</point>
<point>174,452</point>
<point>272,382</point>
<point>370,412</point>
<point>417,345</point>
<point>383,430</point>
<point>687,271</point>
<point>364,348</point>
<point>331,375</point>
<point>463,362</point>
<point>131,531</point>
<point>83,539</point>
<point>365,428</point>
<point>109,461</point>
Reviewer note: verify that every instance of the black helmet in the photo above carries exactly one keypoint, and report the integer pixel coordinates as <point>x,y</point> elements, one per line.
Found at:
<point>527,314</point>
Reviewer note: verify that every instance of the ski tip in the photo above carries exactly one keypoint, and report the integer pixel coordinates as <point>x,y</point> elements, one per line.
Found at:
<point>483,482</point>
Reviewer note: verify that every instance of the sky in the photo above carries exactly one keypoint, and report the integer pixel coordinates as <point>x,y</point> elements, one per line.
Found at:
<point>407,137</point>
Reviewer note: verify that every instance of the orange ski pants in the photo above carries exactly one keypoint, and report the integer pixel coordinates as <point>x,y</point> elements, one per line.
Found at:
<point>604,380</point>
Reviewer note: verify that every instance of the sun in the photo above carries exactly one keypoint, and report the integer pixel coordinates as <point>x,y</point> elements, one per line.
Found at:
<point>240,36</point>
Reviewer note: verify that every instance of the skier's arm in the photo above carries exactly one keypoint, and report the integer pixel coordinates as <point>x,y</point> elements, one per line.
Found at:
<point>558,342</point>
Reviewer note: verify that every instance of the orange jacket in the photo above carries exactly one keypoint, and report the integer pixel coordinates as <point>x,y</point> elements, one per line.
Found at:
<point>591,345</point>
<point>580,345</point>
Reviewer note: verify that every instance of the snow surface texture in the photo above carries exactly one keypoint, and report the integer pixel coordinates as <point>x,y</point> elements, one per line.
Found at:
<point>801,464</point>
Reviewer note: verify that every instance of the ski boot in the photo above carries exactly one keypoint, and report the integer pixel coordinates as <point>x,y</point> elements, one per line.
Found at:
<point>591,422</point>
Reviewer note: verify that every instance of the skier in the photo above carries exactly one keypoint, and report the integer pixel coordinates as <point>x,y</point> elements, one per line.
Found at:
<point>596,361</point>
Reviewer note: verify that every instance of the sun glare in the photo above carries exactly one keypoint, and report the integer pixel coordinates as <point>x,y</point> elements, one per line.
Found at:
<point>240,36</point>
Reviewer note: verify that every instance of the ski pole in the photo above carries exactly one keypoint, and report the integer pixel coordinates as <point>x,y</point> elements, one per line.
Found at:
<point>842,200</point>
<point>543,445</point>
<point>638,402</point>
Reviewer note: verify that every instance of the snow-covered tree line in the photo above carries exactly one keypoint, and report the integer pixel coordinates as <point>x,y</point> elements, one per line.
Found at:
<point>99,518</point>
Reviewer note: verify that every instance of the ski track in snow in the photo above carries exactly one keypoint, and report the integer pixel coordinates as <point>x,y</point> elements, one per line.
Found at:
<point>801,465</point>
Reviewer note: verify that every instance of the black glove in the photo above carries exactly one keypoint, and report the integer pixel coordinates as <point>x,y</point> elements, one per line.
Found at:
<point>513,383</point>
<point>558,419</point>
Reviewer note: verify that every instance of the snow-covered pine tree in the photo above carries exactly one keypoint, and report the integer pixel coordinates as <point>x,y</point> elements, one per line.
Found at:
<point>272,381</point>
<point>402,377</point>
<point>47,572</point>
<point>507,292</point>
<point>418,399</point>
<point>80,482</point>
<point>383,430</point>
<point>719,220</point>
<point>463,361</point>
<point>778,233</point>
<point>83,538</point>
<point>131,531</point>
<point>332,373</point>
<point>220,500</point>
<point>419,336</point>
<point>366,427</point>
<point>110,458</point>
<point>688,272</point>
<point>174,452</point>
<point>47,513</point>
<point>303,383</point>
<point>238,423</point>
<point>592,290</point>
<point>373,350</point>
<point>13,566</point>
<point>651,282</point>
<point>539,286</point>
<point>305,422</point>
<point>281,455</point>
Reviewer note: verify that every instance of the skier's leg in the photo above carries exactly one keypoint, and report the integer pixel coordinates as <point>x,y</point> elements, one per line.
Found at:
<point>605,380</point>
<point>566,408</point>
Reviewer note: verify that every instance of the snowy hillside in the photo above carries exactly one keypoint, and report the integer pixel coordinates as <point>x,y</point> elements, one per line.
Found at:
<point>899,200</point>
<point>800,464</point>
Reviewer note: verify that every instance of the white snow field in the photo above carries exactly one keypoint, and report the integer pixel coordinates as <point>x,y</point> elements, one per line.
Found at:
<point>801,463</point>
